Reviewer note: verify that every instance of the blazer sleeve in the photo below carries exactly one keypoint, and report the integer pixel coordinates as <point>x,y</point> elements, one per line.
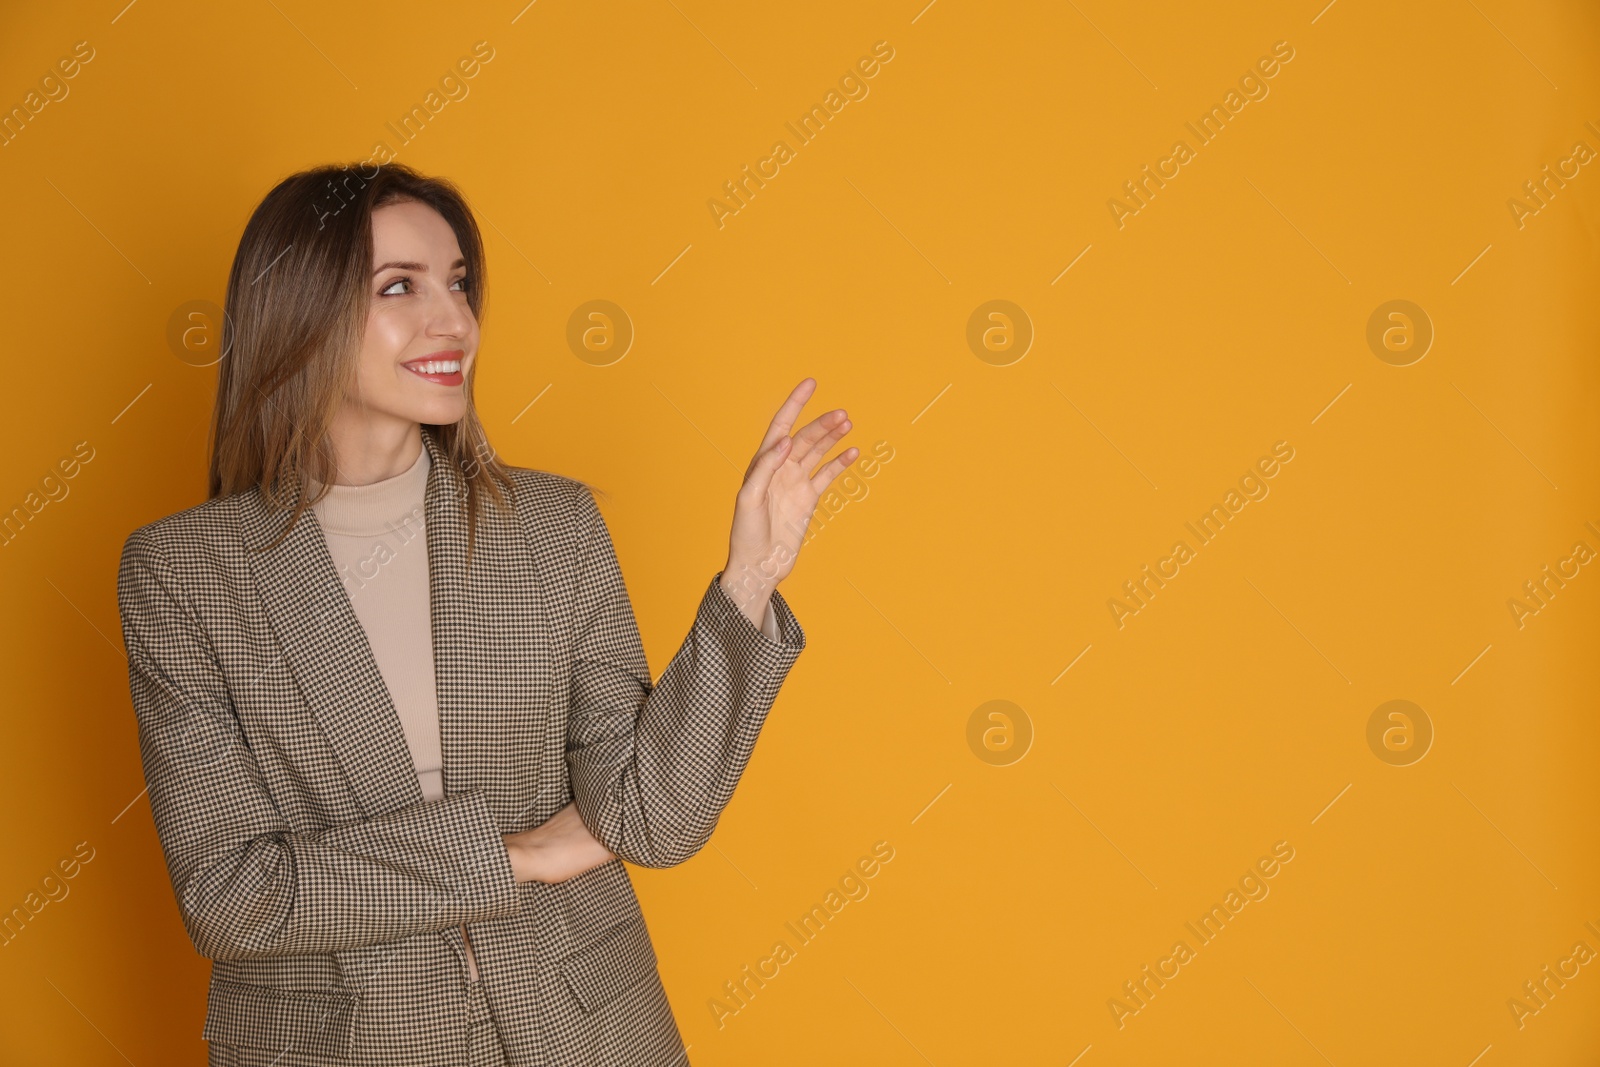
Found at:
<point>653,766</point>
<point>246,883</point>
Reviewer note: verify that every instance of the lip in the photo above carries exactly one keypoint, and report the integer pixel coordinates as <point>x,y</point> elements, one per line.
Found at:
<point>451,378</point>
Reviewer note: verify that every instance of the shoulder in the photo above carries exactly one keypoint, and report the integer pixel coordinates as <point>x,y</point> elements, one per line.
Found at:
<point>548,501</point>
<point>210,525</point>
<point>198,548</point>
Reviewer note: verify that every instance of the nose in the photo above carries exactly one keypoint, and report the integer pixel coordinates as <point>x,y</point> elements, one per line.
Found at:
<point>448,314</point>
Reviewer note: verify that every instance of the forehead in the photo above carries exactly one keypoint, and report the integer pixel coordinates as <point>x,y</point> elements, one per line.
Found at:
<point>412,230</point>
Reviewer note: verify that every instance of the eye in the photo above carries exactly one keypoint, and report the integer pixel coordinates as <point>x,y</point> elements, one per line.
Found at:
<point>464,282</point>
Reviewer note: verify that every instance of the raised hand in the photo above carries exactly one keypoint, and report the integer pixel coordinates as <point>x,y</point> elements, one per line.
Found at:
<point>778,497</point>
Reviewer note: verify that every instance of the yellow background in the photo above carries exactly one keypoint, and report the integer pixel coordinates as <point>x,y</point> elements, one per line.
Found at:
<point>976,565</point>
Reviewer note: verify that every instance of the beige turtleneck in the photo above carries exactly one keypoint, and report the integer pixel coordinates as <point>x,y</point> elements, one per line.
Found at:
<point>378,541</point>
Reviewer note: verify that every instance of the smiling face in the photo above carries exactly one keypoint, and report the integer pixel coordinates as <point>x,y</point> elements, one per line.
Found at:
<point>421,335</point>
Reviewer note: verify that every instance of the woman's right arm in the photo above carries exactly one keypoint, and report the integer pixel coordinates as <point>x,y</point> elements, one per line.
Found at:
<point>246,884</point>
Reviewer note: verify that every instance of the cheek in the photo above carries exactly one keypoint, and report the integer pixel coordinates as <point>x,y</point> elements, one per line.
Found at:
<point>383,344</point>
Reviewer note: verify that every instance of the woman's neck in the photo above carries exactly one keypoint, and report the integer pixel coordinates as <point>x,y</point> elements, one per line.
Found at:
<point>369,451</point>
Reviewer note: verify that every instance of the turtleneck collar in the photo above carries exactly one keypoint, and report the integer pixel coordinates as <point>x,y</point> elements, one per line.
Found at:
<point>376,508</point>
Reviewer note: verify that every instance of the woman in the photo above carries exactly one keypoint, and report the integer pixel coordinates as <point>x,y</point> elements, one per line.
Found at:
<point>394,712</point>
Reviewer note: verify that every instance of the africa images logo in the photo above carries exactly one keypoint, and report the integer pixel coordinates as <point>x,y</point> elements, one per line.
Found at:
<point>1252,86</point>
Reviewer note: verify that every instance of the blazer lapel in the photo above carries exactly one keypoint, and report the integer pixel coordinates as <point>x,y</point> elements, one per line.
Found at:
<point>326,649</point>
<point>493,651</point>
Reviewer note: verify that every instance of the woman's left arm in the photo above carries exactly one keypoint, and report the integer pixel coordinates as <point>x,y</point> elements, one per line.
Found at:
<point>653,766</point>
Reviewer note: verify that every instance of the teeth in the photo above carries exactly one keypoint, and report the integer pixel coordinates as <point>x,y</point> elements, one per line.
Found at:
<point>436,366</point>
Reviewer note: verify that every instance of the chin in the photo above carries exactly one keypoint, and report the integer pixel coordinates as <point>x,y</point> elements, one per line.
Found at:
<point>437,414</point>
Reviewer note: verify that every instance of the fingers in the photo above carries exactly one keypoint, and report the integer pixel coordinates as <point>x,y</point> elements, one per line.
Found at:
<point>811,437</point>
<point>759,477</point>
<point>782,422</point>
<point>809,444</point>
<point>790,410</point>
<point>819,447</point>
<point>835,467</point>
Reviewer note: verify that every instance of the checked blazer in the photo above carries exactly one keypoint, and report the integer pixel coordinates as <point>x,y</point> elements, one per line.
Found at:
<point>304,859</point>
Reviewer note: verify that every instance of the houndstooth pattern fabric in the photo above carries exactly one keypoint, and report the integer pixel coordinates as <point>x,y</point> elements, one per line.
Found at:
<point>304,860</point>
<point>484,1047</point>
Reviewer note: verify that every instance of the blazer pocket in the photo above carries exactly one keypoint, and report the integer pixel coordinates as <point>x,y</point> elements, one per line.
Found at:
<point>611,966</point>
<point>256,1016</point>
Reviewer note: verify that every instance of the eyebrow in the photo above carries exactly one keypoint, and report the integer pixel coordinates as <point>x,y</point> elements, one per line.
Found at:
<point>419,267</point>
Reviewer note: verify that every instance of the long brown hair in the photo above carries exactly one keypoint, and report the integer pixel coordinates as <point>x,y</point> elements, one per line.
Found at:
<point>294,315</point>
